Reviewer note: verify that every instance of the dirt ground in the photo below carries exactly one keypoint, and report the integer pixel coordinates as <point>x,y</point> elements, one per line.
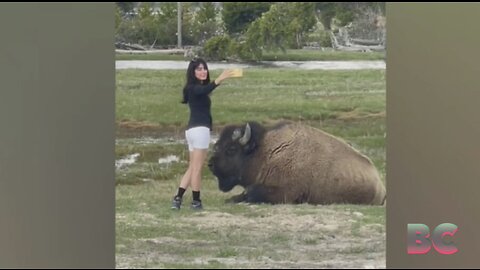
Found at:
<point>280,236</point>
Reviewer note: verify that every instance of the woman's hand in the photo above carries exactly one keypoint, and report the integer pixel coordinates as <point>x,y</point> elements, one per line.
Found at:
<point>225,74</point>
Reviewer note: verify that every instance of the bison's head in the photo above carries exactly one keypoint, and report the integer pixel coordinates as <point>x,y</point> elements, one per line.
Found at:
<point>231,153</point>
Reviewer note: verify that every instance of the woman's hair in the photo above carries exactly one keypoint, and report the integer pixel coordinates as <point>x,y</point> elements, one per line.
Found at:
<point>191,79</point>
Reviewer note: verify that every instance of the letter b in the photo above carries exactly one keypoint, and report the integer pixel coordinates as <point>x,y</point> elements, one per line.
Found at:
<point>418,241</point>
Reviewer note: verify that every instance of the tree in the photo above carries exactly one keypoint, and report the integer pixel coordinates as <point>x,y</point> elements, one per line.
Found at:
<point>206,13</point>
<point>147,28</point>
<point>145,10</point>
<point>147,24</point>
<point>344,12</point>
<point>139,29</point>
<point>205,25</point>
<point>283,26</point>
<point>237,16</point>
<point>118,17</point>
<point>302,19</point>
<point>167,23</point>
<point>126,7</point>
<point>327,12</point>
<point>188,22</point>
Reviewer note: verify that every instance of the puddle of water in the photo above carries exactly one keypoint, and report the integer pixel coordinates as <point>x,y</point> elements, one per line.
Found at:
<point>130,159</point>
<point>322,65</point>
<point>169,159</point>
<point>146,141</point>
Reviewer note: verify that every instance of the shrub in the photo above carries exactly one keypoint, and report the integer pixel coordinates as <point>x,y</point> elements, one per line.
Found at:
<point>217,48</point>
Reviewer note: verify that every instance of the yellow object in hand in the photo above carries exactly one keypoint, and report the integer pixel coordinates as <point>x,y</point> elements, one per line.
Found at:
<point>237,72</point>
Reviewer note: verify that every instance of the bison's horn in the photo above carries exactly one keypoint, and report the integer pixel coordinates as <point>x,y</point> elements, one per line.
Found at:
<point>246,136</point>
<point>237,133</point>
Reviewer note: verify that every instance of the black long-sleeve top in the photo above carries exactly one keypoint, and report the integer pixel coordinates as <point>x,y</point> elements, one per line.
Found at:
<point>200,104</point>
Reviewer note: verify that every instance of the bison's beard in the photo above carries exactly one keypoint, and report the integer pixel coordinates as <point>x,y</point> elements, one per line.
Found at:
<point>226,184</point>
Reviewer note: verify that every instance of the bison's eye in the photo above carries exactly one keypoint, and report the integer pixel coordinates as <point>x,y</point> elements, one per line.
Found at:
<point>231,150</point>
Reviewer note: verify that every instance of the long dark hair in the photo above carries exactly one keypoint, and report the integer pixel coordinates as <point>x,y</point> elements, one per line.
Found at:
<point>191,79</point>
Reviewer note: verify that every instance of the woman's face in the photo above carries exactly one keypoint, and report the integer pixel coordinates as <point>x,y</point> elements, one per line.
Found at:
<point>201,73</point>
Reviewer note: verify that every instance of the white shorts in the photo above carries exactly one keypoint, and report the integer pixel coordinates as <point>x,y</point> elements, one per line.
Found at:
<point>198,138</point>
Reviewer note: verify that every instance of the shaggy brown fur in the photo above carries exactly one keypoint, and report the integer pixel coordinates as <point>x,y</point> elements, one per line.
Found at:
<point>294,163</point>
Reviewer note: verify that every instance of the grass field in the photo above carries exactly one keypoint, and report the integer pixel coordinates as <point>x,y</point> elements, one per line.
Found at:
<point>290,55</point>
<point>150,124</point>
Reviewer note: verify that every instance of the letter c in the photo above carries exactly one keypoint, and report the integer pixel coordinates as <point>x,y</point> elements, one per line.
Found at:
<point>438,235</point>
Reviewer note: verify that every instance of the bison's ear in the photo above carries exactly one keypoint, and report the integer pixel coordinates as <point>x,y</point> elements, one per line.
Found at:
<point>237,133</point>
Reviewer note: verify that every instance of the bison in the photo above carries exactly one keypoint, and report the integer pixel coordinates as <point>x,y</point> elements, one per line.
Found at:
<point>293,163</point>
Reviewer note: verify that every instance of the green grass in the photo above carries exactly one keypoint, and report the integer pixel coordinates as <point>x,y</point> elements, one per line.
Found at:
<point>261,95</point>
<point>317,55</point>
<point>150,56</point>
<point>290,55</point>
<point>149,234</point>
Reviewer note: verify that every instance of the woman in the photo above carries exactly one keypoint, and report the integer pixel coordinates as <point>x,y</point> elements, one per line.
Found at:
<point>196,95</point>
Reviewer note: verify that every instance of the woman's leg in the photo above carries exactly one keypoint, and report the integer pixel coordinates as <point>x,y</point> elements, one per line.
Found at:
<point>186,179</point>
<point>184,184</point>
<point>196,165</point>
